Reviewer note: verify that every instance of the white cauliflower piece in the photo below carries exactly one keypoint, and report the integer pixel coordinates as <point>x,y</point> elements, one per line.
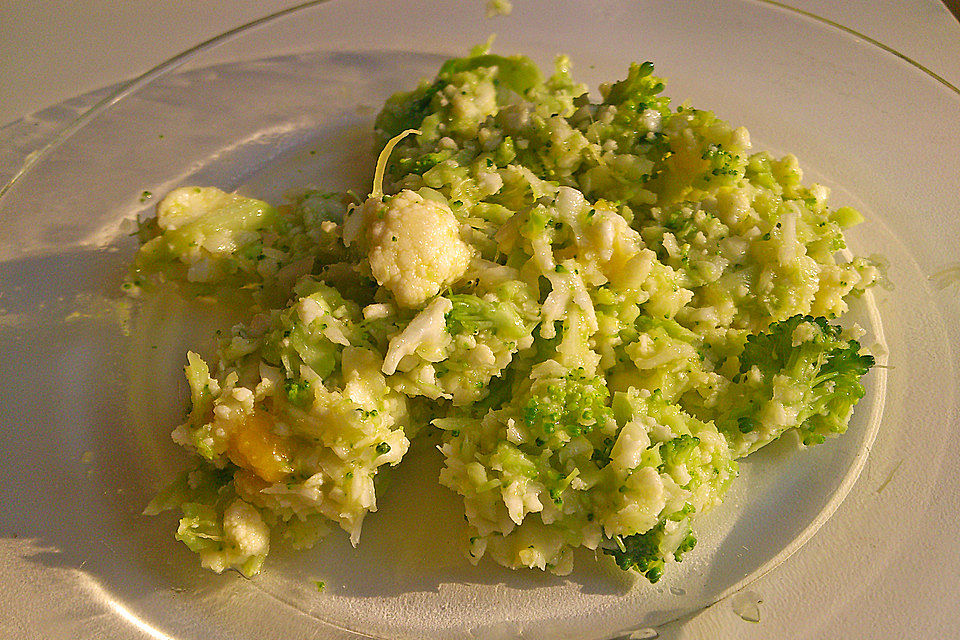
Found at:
<point>413,245</point>
<point>246,541</point>
<point>426,333</point>
<point>188,204</point>
<point>245,529</point>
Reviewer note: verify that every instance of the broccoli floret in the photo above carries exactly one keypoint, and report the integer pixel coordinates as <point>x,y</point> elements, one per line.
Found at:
<point>646,552</point>
<point>223,529</point>
<point>422,164</point>
<point>801,373</point>
<point>682,450</point>
<point>471,314</point>
<point>636,129</point>
<point>291,342</point>
<point>524,468</point>
<point>638,88</point>
<point>572,404</point>
<point>297,391</point>
<point>475,338</point>
<point>406,110</point>
<point>641,552</point>
<point>721,162</point>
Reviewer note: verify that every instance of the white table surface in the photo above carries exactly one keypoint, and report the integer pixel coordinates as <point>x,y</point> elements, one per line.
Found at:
<point>55,50</point>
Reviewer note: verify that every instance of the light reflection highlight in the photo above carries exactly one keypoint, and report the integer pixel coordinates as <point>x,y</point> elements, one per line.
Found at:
<point>108,599</point>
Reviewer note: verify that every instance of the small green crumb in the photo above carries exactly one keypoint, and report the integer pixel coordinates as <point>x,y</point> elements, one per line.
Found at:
<point>321,585</point>
<point>499,8</point>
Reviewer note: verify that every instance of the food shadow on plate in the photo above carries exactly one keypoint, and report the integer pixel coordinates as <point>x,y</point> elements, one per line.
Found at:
<point>78,469</point>
<point>783,495</point>
<point>418,542</point>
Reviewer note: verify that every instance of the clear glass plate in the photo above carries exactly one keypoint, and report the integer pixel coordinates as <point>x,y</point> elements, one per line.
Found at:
<point>87,410</point>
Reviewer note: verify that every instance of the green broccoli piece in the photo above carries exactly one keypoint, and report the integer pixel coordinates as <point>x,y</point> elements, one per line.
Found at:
<point>682,450</point>
<point>801,373</point>
<point>298,391</point>
<point>636,130</point>
<point>646,552</point>
<point>291,342</point>
<point>517,73</point>
<point>636,89</point>
<point>722,162</point>
<point>573,404</point>
<point>421,164</point>
<point>201,495</point>
<point>486,332</point>
<point>241,250</point>
<point>406,110</point>
<point>471,314</point>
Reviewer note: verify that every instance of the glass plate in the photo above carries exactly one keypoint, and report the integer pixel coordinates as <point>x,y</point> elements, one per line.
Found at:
<point>87,410</point>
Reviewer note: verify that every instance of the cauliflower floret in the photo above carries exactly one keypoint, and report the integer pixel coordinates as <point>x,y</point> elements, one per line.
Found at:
<point>245,529</point>
<point>246,541</point>
<point>413,245</point>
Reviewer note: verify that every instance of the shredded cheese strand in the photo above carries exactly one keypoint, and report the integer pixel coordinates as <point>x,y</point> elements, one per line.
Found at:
<point>377,192</point>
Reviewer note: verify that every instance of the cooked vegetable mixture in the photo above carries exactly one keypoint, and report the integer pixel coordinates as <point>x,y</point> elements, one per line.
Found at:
<point>599,305</point>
